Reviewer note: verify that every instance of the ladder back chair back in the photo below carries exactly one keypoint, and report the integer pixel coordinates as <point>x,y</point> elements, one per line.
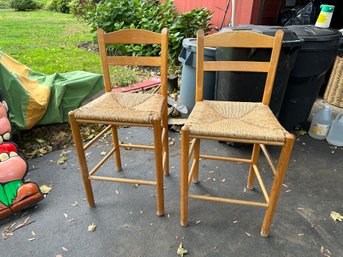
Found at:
<point>244,122</point>
<point>124,109</point>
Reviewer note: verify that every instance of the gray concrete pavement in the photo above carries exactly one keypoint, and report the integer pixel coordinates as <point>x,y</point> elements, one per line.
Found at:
<point>127,224</point>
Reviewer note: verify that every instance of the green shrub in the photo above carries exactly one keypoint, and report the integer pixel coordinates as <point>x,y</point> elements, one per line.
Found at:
<point>59,6</point>
<point>4,4</point>
<point>23,5</point>
<point>112,15</point>
<point>79,9</point>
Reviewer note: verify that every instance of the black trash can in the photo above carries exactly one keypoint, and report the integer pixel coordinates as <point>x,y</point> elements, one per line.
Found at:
<point>249,86</point>
<point>314,59</point>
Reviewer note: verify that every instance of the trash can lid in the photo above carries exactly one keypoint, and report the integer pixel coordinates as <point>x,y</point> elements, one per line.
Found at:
<point>313,33</point>
<point>290,38</point>
<point>191,45</point>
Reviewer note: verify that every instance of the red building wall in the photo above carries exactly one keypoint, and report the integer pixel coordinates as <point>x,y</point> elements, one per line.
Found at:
<point>244,10</point>
<point>247,11</point>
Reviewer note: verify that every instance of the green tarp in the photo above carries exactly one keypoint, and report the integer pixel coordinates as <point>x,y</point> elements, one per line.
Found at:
<point>37,99</point>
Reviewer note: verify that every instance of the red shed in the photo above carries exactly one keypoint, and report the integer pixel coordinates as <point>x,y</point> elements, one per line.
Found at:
<point>247,11</point>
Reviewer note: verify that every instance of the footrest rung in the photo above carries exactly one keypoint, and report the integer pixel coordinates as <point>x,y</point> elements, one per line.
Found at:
<point>124,180</point>
<point>226,200</point>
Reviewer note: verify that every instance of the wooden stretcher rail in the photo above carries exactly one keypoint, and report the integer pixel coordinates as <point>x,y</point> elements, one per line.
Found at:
<point>124,180</point>
<point>222,158</point>
<point>268,158</point>
<point>261,182</point>
<point>90,143</point>
<point>191,173</point>
<point>101,162</point>
<point>226,200</point>
<point>191,148</point>
<point>146,147</point>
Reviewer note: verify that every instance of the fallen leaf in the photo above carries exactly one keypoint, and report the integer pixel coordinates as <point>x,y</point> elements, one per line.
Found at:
<point>64,157</point>
<point>301,132</point>
<point>103,153</point>
<point>39,140</point>
<point>336,216</point>
<point>171,141</point>
<point>181,251</point>
<point>74,204</point>
<point>197,222</point>
<point>92,227</point>
<point>33,233</point>
<point>45,189</point>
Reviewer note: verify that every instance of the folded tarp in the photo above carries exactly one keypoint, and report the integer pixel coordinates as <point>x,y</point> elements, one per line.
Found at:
<point>35,98</point>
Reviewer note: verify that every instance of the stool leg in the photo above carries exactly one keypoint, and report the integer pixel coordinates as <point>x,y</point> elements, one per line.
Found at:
<point>195,178</point>
<point>82,159</point>
<point>184,176</point>
<point>277,184</point>
<point>166,143</point>
<point>254,159</point>
<point>159,168</point>
<point>115,141</point>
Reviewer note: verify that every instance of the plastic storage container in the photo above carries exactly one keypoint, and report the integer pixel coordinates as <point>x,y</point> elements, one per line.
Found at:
<point>314,59</point>
<point>325,16</point>
<point>321,123</point>
<point>335,136</point>
<point>249,86</point>
<point>188,59</point>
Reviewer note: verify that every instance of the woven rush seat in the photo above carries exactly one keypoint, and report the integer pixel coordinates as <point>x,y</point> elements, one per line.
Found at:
<point>121,107</point>
<point>242,120</point>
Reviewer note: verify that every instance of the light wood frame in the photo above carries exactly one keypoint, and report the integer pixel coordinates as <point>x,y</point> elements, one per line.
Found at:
<point>160,125</point>
<point>239,39</point>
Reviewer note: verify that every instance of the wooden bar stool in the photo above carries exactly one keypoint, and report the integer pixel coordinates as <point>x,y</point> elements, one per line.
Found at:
<point>123,109</point>
<point>245,122</point>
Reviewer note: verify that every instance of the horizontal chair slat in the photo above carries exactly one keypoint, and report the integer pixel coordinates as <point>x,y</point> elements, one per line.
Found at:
<point>239,39</point>
<point>134,61</point>
<point>133,36</point>
<point>236,66</point>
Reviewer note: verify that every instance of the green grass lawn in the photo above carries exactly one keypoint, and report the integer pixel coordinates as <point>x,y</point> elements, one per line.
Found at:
<point>47,41</point>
